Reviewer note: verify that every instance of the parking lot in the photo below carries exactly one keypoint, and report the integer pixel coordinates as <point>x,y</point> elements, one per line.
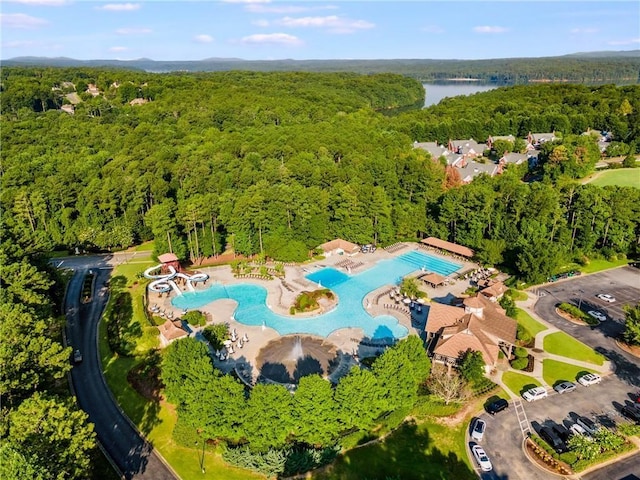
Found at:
<point>600,403</point>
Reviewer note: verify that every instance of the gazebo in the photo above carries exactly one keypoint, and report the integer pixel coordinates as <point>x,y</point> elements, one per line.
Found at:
<point>433,279</point>
<point>169,260</point>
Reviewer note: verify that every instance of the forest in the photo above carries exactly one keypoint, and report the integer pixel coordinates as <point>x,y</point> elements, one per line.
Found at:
<point>271,164</point>
<point>589,68</point>
<point>277,163</point>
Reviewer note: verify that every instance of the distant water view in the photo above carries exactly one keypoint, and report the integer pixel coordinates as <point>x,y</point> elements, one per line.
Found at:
<point>435,93</point>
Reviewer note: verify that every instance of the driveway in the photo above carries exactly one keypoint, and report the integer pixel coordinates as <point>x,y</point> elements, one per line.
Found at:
<point>133,455</point>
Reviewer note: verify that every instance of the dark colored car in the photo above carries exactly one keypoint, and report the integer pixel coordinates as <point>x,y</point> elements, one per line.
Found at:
<point>631,412</point>
<point>549,436</point>
<point>561,431</point>
<point>497,406</point>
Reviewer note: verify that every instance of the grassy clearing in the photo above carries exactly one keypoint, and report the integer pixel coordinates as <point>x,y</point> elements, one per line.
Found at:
<point>420,451</point>
<point>623,177</point>
<point>527,321</point>
<point>555,372</point>
<point>519,383</point>
<point>517,295</point>
<point>560,343</point>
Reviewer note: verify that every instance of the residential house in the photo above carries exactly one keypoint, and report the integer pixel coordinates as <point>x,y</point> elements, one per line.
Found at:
<point>492,139</point>
<point>480,325</point>
<point>68,108</point>
<point>466,149</point>
<point>513,158</point>
<point>93,90</point>
<point>436,151</point>
<point>534,140</point>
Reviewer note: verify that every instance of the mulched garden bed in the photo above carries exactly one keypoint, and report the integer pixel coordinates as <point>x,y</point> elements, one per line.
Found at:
<point>546,461</point>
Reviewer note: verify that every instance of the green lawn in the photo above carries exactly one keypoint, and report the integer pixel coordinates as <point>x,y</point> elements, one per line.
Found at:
<point>555,372</point>
<point>519,383</point>
<point>624,177</point>
<point>527,321</point>
<point>418,451</point>
<point>517,295</point>
<point>560,343</point>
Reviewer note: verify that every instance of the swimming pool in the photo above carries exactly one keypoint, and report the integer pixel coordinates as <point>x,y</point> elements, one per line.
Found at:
<point>351,289</point>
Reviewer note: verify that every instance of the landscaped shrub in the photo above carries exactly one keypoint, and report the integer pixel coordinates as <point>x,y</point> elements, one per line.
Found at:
<point>520,352</point>
<point>577,313</point>
<point>308,301</point>
<point>216,334</point>
<point>520,363</point>
<point>523,336</point>
<point>195,317</point>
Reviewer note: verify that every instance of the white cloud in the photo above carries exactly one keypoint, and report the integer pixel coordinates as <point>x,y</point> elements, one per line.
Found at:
<point>271,39</point>
<point>433,29</point>
<point>260,23</point>
<point>42,3</point>
<point>119,7</point>
<point>586,31</point>
<point>333,22</point>
<point>630,41</point>
<point>203,38</point>
<point>490,29</point>
<point>118,49</point>
<point>286,9</point>
<point>18,44</point>
<point>21,20</point>
<point>133,31</point>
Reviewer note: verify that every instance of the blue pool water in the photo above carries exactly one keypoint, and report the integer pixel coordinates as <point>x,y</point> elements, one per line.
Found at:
<point>351,289</point>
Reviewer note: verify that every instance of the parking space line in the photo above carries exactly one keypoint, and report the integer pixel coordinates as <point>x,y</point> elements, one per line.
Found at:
<point>523,421</point>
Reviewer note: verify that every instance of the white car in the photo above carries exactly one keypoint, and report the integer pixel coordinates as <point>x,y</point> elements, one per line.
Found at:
<point>535,393</point>
<point>481,458</point>
<point>601,317</point>
<point>589,379</point>
<point>606,297</point>
<point>577,429</point>
<point>479,427</point>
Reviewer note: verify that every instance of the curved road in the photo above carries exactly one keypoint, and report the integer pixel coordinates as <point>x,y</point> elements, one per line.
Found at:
<point>133,455</point>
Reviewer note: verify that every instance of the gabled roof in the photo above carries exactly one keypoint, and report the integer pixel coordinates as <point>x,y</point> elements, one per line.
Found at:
<point>494,290</point>
<point>433,278</point>
<point>341,244</point>
<point>514,158</point>
<point>464,340</point>
<point>170,331</point>
<point>436,151</point>
<point>441,316</point>
<point>448,246</point>
<point>168,257</point>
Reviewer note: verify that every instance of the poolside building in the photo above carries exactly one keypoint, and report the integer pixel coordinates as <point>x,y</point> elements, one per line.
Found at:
<point>170,331</point>
<point>480,325</point>
<point>450,247</point>
<point>339,247</point>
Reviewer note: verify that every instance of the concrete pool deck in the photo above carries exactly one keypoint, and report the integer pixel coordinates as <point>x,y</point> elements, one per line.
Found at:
<point>279,298</point>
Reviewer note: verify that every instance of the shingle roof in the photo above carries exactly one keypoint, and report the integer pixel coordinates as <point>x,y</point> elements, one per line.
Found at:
<point>449,246</point>
<point>168,257</point>
<point>171,331</point>
<point>341,244</point>
<point>440,316</point>
<point>494,290</point>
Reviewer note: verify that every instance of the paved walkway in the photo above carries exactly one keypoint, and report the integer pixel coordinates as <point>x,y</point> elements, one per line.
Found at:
<point>539,354</point>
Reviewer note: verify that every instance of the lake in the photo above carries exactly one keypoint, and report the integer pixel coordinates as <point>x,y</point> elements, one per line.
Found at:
<point>435,93</point>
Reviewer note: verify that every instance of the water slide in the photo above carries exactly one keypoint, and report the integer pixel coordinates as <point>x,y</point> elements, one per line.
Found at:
<point>165,282</point>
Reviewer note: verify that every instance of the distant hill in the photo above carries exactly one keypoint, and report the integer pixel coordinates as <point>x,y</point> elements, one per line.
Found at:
<point>621,67</point>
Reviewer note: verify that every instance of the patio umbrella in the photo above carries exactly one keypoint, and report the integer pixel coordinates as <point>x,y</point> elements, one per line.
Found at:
<point>407,301</point>
<point>421,300</point>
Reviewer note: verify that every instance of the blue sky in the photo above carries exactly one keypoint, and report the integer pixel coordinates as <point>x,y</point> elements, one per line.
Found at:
<point>262,29</point>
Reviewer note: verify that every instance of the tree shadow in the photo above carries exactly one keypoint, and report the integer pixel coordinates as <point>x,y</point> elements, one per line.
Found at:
<point>526,387</point>
<point>275,371</point>
<point>307,366</point>
<point>408,453</point>
<point>626,370</point>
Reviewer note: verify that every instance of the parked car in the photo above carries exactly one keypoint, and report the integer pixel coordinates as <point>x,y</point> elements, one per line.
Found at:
<point>576,429</point>
<point>479,426</point>
<point>481,458</point>
<point>606,297</point>
<point>589,379</point>
<point>549,436</point>
<point>77,356</point>
<point>535,393</point>
<point>565,387</point>
<point>601,317</point>
<point>631,412</point>
<point>497,406</point>
<point>588,425</point>
<point>561,431</point>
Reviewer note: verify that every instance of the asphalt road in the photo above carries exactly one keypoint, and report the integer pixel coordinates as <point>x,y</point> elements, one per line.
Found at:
<point>135,457</point>
<point>601,403</point>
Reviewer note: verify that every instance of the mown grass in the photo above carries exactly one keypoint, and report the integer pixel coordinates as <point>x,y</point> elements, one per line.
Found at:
<point>418,451</point>
<point>527,321</point>
<point>623,177</point>
<point>555,372</point>
<point>560,343</point>
<point>519,383</point>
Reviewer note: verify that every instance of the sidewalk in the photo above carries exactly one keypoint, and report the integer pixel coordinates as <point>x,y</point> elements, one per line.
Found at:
<point>539,354</point>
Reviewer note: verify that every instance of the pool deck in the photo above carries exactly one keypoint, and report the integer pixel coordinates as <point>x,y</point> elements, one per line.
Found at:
<point>280,298</point>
